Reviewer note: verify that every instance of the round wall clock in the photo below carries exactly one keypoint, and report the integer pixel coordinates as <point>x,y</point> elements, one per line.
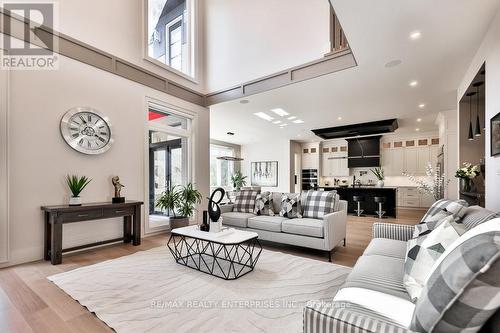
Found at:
<point>86,130</point>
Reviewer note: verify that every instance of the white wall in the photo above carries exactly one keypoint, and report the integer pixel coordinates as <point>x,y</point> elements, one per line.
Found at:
<point>277,150</point>
<point>448,136</point>
<point>488,52</point>
<point>251,39</point>
<point>116,26</point>
<point>40,159</point>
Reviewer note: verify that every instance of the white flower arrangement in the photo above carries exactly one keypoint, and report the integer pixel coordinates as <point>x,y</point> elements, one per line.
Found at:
<point>468,171</point>
<point>434,186</point>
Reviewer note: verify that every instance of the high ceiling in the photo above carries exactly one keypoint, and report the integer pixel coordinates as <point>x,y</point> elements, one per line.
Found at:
<point>378,32</point>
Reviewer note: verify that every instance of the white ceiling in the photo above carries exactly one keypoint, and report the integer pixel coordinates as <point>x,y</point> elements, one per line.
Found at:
<point>378,32</point>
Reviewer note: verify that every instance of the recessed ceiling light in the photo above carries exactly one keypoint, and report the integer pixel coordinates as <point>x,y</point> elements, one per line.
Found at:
<point>283,125</point>
<point>298,121</point>
<point>419,120</point>
<point>230,133</point>
<point>417,129</point>
<point>277,122</point>
<point>422,105</point>
<point>393,63</point>
<point>264,116</point>
<point>244,101</point>
<point>280,112</point>
<point>291,118</point>
<point>339,118</point>
<point>415,35</point>
<point>413,83</point>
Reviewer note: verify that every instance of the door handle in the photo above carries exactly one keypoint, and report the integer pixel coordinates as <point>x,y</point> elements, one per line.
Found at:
<point>119,211</point>
<point>83,215</point>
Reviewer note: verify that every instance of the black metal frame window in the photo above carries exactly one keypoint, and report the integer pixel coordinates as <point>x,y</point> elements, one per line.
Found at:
<point>165,147</point>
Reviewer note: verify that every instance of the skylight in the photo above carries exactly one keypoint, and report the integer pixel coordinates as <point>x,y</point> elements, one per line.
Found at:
<point>280,112</point>
<point>264,116</point>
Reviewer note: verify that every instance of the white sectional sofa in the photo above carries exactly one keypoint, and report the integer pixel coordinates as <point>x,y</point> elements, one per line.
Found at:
<point>320,234</point>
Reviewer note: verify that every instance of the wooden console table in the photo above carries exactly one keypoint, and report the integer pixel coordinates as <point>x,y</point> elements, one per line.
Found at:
<point>56,216</point>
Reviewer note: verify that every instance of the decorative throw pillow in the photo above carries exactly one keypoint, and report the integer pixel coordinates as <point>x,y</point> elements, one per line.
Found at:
<point>264,204</point>
<point>477,215</point>
<point>290,206</point>
<point>464,290</point>
<point>319,204</point>
<point>245,201</point>
<point>424,251</point>
<point>456,207</point>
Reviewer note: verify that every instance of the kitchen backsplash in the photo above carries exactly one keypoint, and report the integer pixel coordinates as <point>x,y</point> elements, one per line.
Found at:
<point>368,177</point>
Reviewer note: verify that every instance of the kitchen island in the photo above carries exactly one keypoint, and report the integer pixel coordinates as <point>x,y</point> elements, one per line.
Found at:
<point>369,206</point>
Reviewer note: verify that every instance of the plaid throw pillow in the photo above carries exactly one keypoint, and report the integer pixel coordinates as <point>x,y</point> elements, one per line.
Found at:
<point>290,206</point>
<point>424,251</point>
<point>319,204</point>
<point>464,290</point>
<point>245,201</point>
<point>264,204</point>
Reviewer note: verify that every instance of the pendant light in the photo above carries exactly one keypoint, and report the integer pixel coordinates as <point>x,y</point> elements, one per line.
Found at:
<point>470,137</point>
<point>478,125</point>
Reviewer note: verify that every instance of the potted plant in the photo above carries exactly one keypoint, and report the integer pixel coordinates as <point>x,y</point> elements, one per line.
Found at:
<point>180,200</point>
<point>76,185</point>
<point>238,180</point>
<point>379,173</point>
<point>466,174</point>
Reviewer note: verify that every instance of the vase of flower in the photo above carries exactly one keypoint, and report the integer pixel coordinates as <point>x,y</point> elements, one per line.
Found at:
<point>466,174</point>
<point>465,185</point>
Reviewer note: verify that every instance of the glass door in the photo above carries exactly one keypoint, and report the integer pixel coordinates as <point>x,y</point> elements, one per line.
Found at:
<point>168,160</point>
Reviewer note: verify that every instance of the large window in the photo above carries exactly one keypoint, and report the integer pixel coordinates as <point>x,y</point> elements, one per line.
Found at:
<point>221,170</point>
<point>170,34</point>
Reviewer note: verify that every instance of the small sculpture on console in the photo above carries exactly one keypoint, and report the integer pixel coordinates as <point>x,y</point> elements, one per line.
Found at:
<point>118,187</point>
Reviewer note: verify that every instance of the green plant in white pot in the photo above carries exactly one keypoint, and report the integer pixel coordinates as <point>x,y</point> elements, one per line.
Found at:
<point>379,173</point>
<point>76,185</point>
<point>180,201</point>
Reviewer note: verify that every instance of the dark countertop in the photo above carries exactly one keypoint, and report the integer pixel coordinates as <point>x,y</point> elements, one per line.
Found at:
<point>358,188</point>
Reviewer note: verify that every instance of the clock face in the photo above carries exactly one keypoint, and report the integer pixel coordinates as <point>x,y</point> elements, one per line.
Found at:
<point>86,130</point>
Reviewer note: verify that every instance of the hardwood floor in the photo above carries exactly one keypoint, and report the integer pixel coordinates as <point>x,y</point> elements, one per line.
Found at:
<point>30,303</point>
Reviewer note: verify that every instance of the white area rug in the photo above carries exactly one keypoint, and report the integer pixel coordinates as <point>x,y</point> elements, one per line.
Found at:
<point>149,292</point>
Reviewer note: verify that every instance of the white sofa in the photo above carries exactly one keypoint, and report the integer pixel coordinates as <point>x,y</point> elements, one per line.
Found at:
<point>320,234</point>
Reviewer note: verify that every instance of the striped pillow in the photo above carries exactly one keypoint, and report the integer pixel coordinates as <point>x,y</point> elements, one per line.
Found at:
<point>477,215</point>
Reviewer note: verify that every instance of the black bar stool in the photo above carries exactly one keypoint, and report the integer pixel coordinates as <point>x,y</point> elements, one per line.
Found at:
<point>358,199</point>
<point>380,201</point>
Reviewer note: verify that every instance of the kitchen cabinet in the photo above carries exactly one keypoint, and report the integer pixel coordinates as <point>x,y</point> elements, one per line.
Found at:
<point>423,159</point>
<point>411,197</point>
<point>335,165</point>
<point>310,156</point>
<point>411,160</point>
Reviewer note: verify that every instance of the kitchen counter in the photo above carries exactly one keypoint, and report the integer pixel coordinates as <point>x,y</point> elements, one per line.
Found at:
<point>369,192</point>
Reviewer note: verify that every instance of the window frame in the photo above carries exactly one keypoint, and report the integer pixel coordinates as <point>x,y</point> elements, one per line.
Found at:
<point>230,186</point>
<point>188,133</point>
<point>191,39</point>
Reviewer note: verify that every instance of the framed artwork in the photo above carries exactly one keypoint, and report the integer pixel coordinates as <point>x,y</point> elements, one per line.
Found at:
<point>495,135</point>
<point>264,174</point>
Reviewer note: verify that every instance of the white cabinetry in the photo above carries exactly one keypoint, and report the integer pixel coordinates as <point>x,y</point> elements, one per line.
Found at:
<point>411,197</point>
<point>410,156</point>
<point>310,156</point>
<point>334,159</point>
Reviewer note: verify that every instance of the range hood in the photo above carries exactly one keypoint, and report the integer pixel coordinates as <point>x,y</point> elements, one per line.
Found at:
<point>363,152</point>
<point>349,131</point>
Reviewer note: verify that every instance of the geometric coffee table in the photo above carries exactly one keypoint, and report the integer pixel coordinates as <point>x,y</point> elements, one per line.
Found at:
<point>228,254</point>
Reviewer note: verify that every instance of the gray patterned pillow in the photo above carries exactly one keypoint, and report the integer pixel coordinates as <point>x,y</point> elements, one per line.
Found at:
<point>464,290</point>
<point>319,204</point>
<point>290,206</point>
<point>455,207</point>
<point>423,252</point>
<point>245,201</point>
<point>264,204</point>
